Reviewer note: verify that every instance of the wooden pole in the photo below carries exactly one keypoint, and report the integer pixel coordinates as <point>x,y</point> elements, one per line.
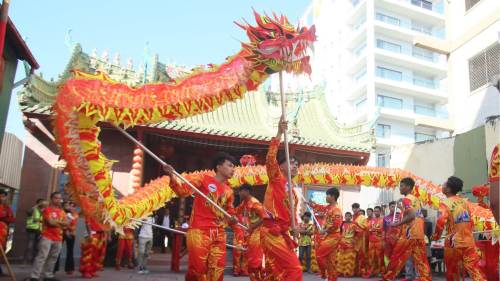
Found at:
<point>7,264</point>
<point>196,190</point>
<point>287,153</point>
<point>179,231</point>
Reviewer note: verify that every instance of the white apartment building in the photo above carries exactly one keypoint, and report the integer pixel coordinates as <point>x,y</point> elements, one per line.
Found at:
<point>366,54</point>
<point>473,49</point>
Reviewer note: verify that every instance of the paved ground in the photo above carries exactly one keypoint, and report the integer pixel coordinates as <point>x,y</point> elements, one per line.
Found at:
<point>160,271</point>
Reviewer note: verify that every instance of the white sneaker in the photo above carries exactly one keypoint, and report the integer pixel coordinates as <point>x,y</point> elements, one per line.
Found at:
<point>145,271</point>
<point>141,271</point>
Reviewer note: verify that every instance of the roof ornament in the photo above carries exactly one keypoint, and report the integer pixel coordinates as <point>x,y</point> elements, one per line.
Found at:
<point>68,40</point>
<point>146,57</point>
<point>116,59</point>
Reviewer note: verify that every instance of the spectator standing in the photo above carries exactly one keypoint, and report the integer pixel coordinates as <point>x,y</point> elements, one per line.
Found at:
<point>145,244</point>
<point>34,222</point>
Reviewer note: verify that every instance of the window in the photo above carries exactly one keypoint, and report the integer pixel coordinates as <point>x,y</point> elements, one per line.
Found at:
<point>424,109</point>
<point>422,4</point>
<point>358,50</point>
<point>383,160</point>
<point>470,3</point>
<point>389,73</point>
<point>389,102</point>
<point>422,54</point>
<point>423,137</point>
<point>484,67</point>
<point>359,23</point>
<point>382,44</point>
<point>383,131</point>
<point>419,27</point>
<point>360,75</point>
<point>388,19</point>
<point>361,105</point>
<point>423,82</point>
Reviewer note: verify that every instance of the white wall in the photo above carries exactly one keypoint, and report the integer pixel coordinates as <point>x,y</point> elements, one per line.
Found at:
<point>430,160</point>
<point>469,109</point>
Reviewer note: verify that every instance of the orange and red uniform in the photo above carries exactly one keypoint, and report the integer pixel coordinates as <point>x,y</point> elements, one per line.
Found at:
<point>6,218</point>
<point>392,234</point>
<point>411,243</point>
<point>361,226</point>
<point>93,248</point>
<point>459,246</point>
<point>206,238</point>
<point>125,247</point>
<point>239,257</point>
<point>276,242</point>
<point>346,255</point>
<point>327,250</point>
<point>375,246</point>
<point>253,212</point>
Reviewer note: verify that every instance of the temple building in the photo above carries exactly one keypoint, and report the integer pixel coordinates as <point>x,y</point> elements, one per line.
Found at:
<point>244,127</point>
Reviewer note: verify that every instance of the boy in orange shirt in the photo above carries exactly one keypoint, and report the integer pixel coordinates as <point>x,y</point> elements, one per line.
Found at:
<point>412,241</point>
<point>459,246</point>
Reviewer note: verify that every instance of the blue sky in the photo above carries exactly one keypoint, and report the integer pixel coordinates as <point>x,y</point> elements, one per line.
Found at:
<point>185,32</point>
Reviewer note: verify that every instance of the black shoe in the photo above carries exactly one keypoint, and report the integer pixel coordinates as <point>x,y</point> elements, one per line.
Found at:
<point>50,279</point>
<point>32,279</point>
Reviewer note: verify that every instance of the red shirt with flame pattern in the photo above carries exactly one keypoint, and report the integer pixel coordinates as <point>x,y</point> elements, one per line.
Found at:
<point>276,199</point>
<point>204,215</point>
<point>251,210</point>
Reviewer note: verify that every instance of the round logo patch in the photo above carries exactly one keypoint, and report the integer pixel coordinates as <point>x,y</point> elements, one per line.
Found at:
<point>212,187</point>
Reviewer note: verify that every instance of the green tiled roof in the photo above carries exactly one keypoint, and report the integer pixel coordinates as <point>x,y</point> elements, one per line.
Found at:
<point>254,117</point>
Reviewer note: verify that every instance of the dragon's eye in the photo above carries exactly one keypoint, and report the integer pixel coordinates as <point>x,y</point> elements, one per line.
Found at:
<point>289,36</point>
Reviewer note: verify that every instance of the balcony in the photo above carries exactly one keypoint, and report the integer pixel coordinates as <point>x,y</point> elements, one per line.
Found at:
<point>404,30</point>
<point>395,81</point>
<point>409,59</point>
<point>415,9</point>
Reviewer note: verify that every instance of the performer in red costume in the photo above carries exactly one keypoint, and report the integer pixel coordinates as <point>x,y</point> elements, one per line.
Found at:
<point>125,248</point>
<point>361,225</point>
<point>6,218</point>
<point>239,256</point>
<point>206,238</point>
<point>277,244</point>
<point>459,247</point>
<point>253,213</point>
<point>346,255</point>
<point>376,244</point>
<point>412,241</point>
<point>392,233</point>
<point>332,234</point>
<point>93,248</point>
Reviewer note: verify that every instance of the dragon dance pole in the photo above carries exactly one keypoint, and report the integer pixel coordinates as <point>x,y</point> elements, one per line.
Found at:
<point>287,153</point>
<point>179,231</point>
<point>143,147</point>
<point>311,210</point>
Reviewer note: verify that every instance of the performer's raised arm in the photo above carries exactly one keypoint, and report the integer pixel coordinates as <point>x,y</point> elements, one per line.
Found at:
<point>272,166</point>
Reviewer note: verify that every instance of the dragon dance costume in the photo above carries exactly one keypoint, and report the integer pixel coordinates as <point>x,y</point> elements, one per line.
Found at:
<point>327,251</point>
<point>411,243</point>
<point>276,242</point>
<point>93,248</point>
<point>392,234</point>
<point>375,246</point>
<point>361,225</point>
<point>346,256</point>
<point>125,248</point>
<point>240,266</point>
<point>253,211</point>
<point>206,238</point>
<point>459,247</point>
